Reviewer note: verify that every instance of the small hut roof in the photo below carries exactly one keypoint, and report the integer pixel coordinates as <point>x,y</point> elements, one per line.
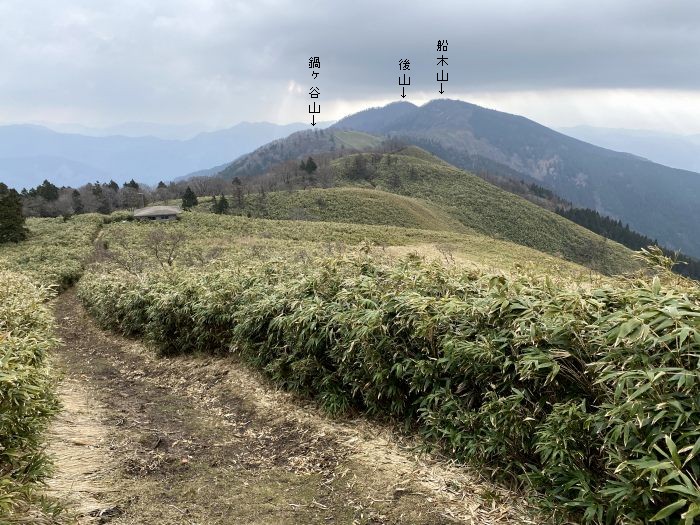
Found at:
<point>157,211</point>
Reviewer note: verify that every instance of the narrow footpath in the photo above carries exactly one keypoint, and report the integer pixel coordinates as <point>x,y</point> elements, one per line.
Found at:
<point>199,441</point>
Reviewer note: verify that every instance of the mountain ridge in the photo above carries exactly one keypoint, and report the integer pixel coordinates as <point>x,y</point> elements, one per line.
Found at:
<point>616,184</point>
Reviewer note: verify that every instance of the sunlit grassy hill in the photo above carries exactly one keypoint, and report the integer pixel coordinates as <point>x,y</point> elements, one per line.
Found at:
<point>348,204</point>
<point>481,206</point>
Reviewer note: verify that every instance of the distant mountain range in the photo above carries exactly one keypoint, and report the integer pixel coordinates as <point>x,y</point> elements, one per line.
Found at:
<point>29,154</point>
<point>677,151</point>
<point>132,129</point>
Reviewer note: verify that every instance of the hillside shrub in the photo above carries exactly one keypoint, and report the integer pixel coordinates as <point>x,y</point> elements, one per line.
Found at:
<point>55,251</point>
<point>592,395</point>
<point>27,401</point>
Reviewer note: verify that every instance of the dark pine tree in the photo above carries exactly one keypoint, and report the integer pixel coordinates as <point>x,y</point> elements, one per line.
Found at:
<point>359,169</point>
<point>103,206</point>
<point>189,199</point>
<point>97,190</point>
<point>223,206</point>
<point>11,218</point>
<point>310,166</point>
<point>47,191</point>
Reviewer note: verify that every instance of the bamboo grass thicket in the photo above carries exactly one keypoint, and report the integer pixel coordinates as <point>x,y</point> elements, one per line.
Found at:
<point>55,252</point>
<point>27,399</point>
<point>52,259</point>
<point>591,396</point>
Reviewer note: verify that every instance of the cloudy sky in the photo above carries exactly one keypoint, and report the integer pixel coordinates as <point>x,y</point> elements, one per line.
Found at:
<point>615,63</point>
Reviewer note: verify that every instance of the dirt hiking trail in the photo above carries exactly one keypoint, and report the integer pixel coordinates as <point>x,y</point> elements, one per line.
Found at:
<point>199,441</point>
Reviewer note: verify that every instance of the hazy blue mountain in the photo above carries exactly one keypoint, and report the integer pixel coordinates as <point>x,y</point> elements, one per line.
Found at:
<point>656,200</point>
<point>67,172</point>
<point>677,151</point>
<point>208,172</point>
<point>29,154</point>
<point>133,129</point>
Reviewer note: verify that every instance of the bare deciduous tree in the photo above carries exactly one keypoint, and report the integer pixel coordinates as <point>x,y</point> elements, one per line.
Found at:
<point>165,245</point>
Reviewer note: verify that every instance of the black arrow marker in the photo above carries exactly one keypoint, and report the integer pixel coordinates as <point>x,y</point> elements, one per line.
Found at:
<point>403,92</point>
<point>441,91</point>
<point>313,122</point>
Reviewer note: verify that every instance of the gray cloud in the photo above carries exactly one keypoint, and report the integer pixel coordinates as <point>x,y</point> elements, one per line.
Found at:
<point>220,61</point>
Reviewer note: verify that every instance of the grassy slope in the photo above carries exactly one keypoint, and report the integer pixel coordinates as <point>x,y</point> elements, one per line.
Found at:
<point>243,239</point>
<point>486,208</point>
<point>356,139</point>
<point>355,205</point>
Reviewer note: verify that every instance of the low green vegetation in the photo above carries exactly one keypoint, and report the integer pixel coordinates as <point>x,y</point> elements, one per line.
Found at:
<point>411,188</point>
<point>412,304</point>
<point>55,251</point>
<point>27,402</point>
<point>201,240</point>
<point>589,395</point>
<point>351,205</point>
<point>297,146</point>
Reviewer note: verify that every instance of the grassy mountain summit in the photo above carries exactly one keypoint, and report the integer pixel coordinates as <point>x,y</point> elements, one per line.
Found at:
<point>655,200</point>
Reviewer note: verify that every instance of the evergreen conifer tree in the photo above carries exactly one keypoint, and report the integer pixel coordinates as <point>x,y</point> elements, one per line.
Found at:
<point>189,199</point>
<point>310,166</point>
<point>223,205</point>
<point>48,191</point>
<point>11,218</point>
